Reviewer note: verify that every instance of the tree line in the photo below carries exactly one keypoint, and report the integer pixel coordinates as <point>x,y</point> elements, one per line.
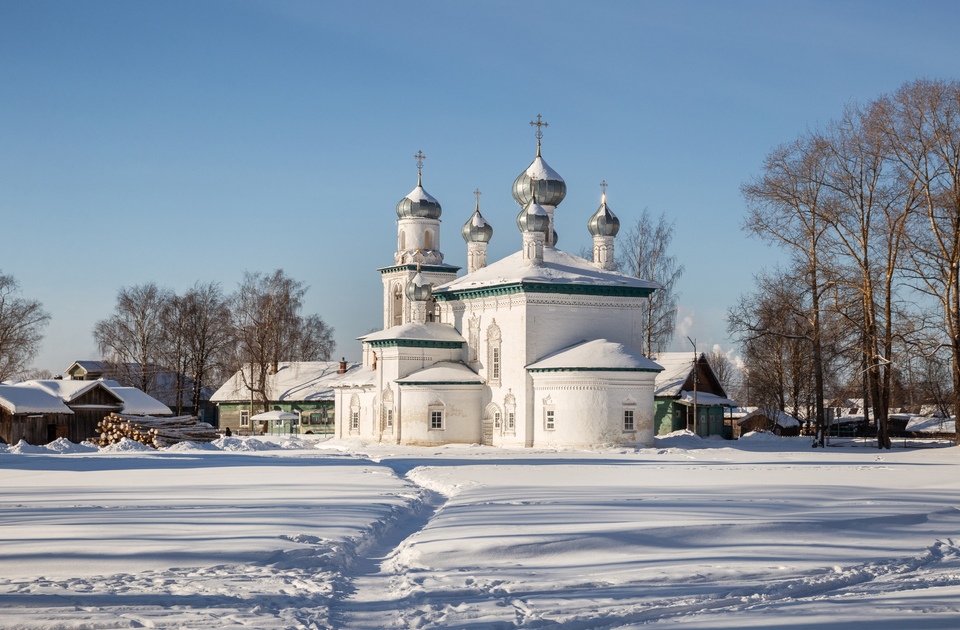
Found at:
<point>201,337</point>
<point>868,210</point>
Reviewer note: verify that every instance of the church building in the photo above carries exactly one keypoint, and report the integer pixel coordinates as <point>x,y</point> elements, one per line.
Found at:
<point>535,350</point>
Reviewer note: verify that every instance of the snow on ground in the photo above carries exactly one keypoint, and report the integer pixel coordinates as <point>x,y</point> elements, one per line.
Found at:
<point>303,533</point>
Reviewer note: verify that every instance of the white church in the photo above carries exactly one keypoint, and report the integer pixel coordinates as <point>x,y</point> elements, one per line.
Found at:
<point>535,350</point>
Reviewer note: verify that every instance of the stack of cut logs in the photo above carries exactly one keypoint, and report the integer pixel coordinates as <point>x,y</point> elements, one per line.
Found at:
<point>152,431</point>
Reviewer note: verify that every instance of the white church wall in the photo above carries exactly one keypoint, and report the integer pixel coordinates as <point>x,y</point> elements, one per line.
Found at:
<point>588,408</point>
<point>459,408</point>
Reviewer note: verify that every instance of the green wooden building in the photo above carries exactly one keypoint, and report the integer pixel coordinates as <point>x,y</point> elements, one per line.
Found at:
<point>301,387</point>
<point>674,397</point>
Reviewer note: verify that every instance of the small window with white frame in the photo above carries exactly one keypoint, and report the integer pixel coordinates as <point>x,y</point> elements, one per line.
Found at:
<point>244,418</point>
<point>496,419</point>
<point>389,418</point>
<point>629,422</point>
<point>511,421</point>
<point>355,420</point>
<point>436,419</point>
<point>549,419</point>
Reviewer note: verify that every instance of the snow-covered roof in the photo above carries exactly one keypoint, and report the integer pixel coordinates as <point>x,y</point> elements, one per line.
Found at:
<point>430,331</point>
<point>18,399</point>
<point>138,403</point>
<point>294,381</point>
<point>558,267</point>
<point>66,390</point>
<point>927,424</point>
<point>782,418</point>
<point>443,372</point>
<point>359,377</point>
<point>598,354</point>
<point>705,398</point>
<point>676,369</point>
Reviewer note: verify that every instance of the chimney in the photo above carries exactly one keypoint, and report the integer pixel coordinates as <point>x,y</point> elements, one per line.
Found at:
<point>343,366</point>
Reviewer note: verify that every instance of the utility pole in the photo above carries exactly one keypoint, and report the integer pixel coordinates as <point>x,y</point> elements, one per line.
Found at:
<point>696,380</point>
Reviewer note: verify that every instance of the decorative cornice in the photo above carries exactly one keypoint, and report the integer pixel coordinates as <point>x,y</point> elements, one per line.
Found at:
<point>431,383</point>
<point>594,369</point>
<point>414,343</point>
<point>444,295</point>
<point>452,269</point>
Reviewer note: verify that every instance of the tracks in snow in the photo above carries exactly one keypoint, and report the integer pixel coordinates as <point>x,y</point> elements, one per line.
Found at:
<point>367,597</point>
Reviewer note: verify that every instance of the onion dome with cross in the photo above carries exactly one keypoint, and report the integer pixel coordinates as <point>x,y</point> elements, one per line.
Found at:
<point>476,229</point>
<point>419,204</point>
<point>604,222</point>
<point>550,187</point>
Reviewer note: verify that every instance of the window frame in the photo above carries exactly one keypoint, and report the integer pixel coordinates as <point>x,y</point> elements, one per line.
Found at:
<point>549,419</point>
<point>244,418</point>
<point>435,420</point>
<point>630,413</point>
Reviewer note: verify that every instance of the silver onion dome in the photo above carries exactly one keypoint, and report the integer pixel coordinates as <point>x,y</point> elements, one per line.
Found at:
<point>476,229</point>
<point>603,222</point>
<point>533,218</point>
<point>419,204</point>
<point>540,178</point>
<point>418,289</point>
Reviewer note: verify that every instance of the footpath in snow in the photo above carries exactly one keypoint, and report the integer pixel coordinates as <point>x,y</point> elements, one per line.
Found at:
<point>291,533</point>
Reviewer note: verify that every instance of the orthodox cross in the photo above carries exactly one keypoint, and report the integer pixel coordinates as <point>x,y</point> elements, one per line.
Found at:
<point>539,125</point>
<point>603,185</point>
<point>420,157</point>
<point>477,194</point>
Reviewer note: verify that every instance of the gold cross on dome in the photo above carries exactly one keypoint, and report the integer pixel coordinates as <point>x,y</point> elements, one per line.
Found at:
<point>539,124</point>
<point>420,157</point>
<point>603,185</point>
<point>477,194</point>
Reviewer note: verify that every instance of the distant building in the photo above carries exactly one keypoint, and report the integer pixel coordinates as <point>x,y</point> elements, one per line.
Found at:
<point>300,387</point>
<point>674,396</point>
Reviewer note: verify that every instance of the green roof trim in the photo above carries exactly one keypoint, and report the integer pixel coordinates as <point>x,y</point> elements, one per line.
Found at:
<point>414,343</point>
<point>593,369</point>
<point>434,268</point>
<point>565,288</point>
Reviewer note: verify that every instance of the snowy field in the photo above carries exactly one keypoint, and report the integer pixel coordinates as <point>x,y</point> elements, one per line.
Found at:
<point>763,532</point>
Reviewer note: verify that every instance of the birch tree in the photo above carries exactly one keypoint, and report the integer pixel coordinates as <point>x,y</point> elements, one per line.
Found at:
<point>21,328</point>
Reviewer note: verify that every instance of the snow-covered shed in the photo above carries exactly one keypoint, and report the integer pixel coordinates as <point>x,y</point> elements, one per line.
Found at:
<point>771,420</point>
<point>303,387</point>
<point>674,396</point>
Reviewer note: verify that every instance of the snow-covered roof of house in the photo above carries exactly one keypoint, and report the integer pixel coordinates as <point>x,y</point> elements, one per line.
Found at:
<point>90,366</point>
<point>19,399</point>
<point>360,377</point>
<point>927,424</point>
<point>706,398</point>
<point>558,267</point>
<point>293,381</point>
<point>443,372</point>
<point>782,418</point>
<point>67,390</point>
<point>138,403</point>
<point>598,354</point>
<point>676,369</point>
<point>430,331</point>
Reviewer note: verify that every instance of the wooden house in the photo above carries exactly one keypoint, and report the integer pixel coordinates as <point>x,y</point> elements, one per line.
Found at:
<point>674,396</point>
<point>302,387</point>
<point>43,410</point>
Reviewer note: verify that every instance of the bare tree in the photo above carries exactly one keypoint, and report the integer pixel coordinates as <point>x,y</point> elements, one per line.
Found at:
<point>921,125</point>
<point>644,255</point>
<point>269,329</point>
<point>21,328</point>
<point>132,338</point>
<point>175,350</point>
<point>724,369</point>
<point>784,208</point>
<point>209,337</point>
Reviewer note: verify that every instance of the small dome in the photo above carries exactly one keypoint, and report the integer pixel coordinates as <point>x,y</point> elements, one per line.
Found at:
<point>418,205</point>
<point>604,222</point>
<point>550,187</point>
<point>476,229</point>
<point>533,218</point>
<point>418,289</point>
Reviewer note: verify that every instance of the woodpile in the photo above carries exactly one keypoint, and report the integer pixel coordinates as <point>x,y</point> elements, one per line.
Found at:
<point>152,431</point>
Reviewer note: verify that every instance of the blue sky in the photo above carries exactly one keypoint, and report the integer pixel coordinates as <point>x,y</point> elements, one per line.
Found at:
<point>182,141</point>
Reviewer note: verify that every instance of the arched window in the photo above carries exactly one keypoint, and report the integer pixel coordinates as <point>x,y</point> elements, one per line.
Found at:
<point>397,304</point>
<point>510,407</point>
<point>387,416</point>
<point>494,356</point>
<point>354,414</point>
<point>432,310</point>
<point>402,243</point>
<point>428,240</point>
